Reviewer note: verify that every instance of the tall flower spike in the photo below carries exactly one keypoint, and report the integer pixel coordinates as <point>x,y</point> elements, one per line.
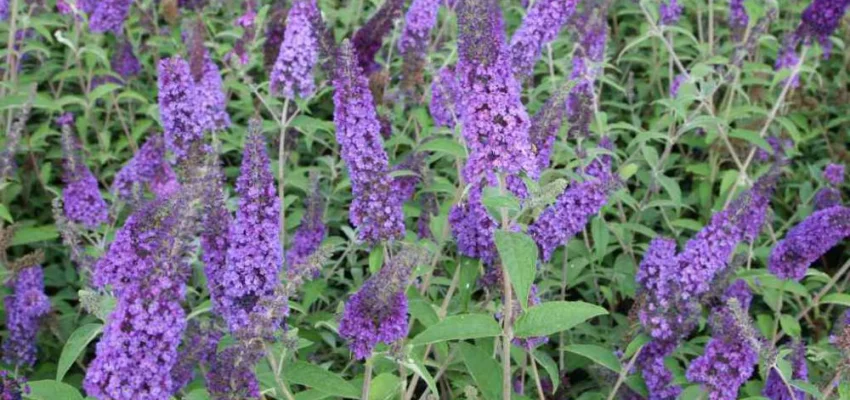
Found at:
<point>495,123</point>
<point>444,98</point>
<point>368,39</point>
<point>83,203</point>
<point>124,61</point>
<point>708,252</point>
<point>539,27</point>
<point>775,388</point>
<point>147,167</point>
<point>109,16</point>
<point>820,19</point>
<point>254,256</point>
<point>231,375</point>
<point>473,227</point>
<point>375,210</point>
<point>212,105</point>
<point>24,309</point>
<point>738,18</point>
<point>299,52</point>
<point>309,235</point>
<point>545,126</point>
<point>658,378</point>
<point>178,107</point>
<point>275,29</point>
<point>214,238</point>
<point>808,241</point>
<point>413,43</point>
<point>662,315</point>
<point>729,357</point>
<point>570,213</point>
<point>378,311</point>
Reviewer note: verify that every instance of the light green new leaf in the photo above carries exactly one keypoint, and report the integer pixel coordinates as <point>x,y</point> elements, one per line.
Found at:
<point>484,370</point>
<point>459,327</point>
<point>304,373</point>
<point>554,316</point>
<point>842,299</point>
<point>52,390</point>
<point>518,253</point>
<point>75,345</point>
<point>599,355</point>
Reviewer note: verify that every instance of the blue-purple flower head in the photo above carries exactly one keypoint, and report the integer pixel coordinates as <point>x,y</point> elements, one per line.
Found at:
<point>231,375</point>
<point>418,22</point>
<point>299,52</point>
<point>545,126</point>
<point>473,227</point>
<point>179,107</point>
<point>367,41</point>
<point>12,388</point>
<point>109,16</point>
<point>808,241</point>
<point>211,114</point>
<point>820,19</point>
<point>24,310</point>
<point>81,196</point>
<point>658,378</point>
<point>669,12</point>
<point>738,18</point>
<point>378,311</point>
<point>147,167</point>
<point>775,387</point>
<point>444,98</point>
<point>309,235</point>
<point>676,84</point>
<point>834,174</point>
<point>215,225</point>
<point>124,61</point>
<point>539,27</point>
<point>375,210</point>
<point>254,254</point>
<point>495,122</point>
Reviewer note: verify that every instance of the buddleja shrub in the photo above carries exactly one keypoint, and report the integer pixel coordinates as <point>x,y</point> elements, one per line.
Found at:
<point>460,199</point>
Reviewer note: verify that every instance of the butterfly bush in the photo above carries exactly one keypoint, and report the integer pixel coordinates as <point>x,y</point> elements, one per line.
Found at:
<point>539,27</point>
<point>179,107</point>
<point>231,376</point>
<point>375,210</point>
<point>494,121</point>
<point>309,235</point>
<point>473,228</point>
<point>776,389</point>
<point>254,254</point>
<point>444,98</point>
<point>109,16</point>
<point>215,225</point>
<point>592,32</point>
<point>81,196</point>
<point>148,167</point>
<point>834,174</point>
<point>24,308</point>
<point>669,12</point>
<point>729,357</point>
<point>808,241</point>
<point>124,61</point>
<point>738,17</point>
<point>211,114</point>
<point>367,40</point>
<point>418,22</point>
<point>378,311</point>
<point>298,53</point>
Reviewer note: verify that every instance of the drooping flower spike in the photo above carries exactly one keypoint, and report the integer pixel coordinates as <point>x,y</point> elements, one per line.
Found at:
<point>179,108</point>
<point>299,52</point>
<point>444,98</point>
<point>808,241</point>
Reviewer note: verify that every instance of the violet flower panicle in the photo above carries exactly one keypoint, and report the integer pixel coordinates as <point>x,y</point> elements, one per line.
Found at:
<point>215,225</point>
<point>147,167</point>
<point>298,53</point>
<point>212,113</point>
<point>775,387</point>
<point>473,227</point>
<point>367,40</point>
<point>444,98</point>
<point>834,174</point>
<point>308,237</point>
<point>540,26</point>
<point>808,241</point>
<point>179,107</point>
<point>81,197</point>
<point>375,210</point>
<point>109,16</point>
<point>24,309</point>
<point>418,22</point>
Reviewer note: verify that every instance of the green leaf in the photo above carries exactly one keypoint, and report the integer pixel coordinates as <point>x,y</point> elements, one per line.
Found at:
<point>418,368</point>
<point>384,387</point>
<point>459,327</point>
<point>628,170</point>
<point>518,253</point>
<point>752,137</point>
<point>484,370</point>
<point>376,259</point>
<point>32,234</point>
<point>197,394</point>
<point>4,213</point>
<point>444,145</point>
<point>597,354</point>
<point>554,316</point>
<point>790,325</point>
<point>75,346</point>
<point>52,390</point>
<point>842,299</point>
<point>307,374</point>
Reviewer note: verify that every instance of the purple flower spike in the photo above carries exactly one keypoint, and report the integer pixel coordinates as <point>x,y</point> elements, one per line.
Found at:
<point>24,309</point>
<point>661,315</point>
<point>231,375</point>
<point>738,18</point>
<point>376,211</point>
<point>212,108</point>
<point>214,238</point>
<point>659,379</point>
<point>808,241</point>
<point>419,20</point>
<point>138,349</point>
<point>495,123</point>
<point>670,12</point>
<point>149,167</point>
<point>109,16</point>
<point>367,41</point>
<point>444,98</point>
<point>820,19</point>
<point>81,197</point>
<point>378,311</point>
<point>124,61</point>
<point>834,174</point>
<point>473,228</point>
<point>179,107</point>
<point>826,198</point>
<point>309,235</point>
<point>254,255</point>
<point>299,52</point>
<point>729,357</point>
<point>539,27</point>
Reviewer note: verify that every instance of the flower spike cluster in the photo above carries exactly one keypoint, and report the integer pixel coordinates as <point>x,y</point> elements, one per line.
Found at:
<point>216,223</point>
<point>254,255</point>
<point>81,197</point>
<point>109,16</point>
<point>367,41</point>
<point>375,210</point>
<point>418,22</point>
<point>495,123</point>
<point>212,108</point>
<point>444,98</point>
<point>24,309</point>
<point>179,107</point>
<point>309,235</point>
<point>808,241</point>
<point>299,52</point>
<point>473,227</point>
<point>378,311</point>
<point>539,27</point>
<point>775,388</point>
